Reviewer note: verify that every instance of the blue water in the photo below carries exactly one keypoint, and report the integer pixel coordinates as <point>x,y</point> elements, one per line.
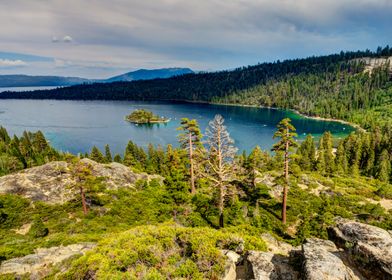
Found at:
<point>76,126</point>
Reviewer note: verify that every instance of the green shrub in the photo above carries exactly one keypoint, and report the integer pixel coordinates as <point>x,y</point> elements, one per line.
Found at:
<point>38,229</point>
<point>385,191</point>
<point>165,251</point>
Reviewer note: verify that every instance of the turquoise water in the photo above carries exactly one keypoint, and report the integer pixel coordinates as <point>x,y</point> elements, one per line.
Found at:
<point>76,126</point>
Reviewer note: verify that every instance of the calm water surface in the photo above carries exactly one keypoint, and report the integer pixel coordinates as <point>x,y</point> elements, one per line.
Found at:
<point>76,126</point>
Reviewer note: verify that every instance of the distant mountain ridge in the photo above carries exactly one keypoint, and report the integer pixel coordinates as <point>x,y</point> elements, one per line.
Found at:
<point>141,74</point>
<point>33,81</point>
<point>144,74</point>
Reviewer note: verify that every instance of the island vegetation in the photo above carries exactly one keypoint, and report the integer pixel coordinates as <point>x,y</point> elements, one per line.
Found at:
<point>142,116</point>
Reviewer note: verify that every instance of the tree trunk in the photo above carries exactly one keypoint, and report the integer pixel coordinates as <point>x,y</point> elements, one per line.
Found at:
<point>286,176</point>
<point>220,175</point>
<point>221,203</point>
<point>193,189</point>
<point>83,201</point>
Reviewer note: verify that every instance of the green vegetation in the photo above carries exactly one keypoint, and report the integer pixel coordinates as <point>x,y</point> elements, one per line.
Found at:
<point>30,150</point>
<point>167,251</point>
<point>323,183</point>
<point>142,116</point>
<point>211,197</point>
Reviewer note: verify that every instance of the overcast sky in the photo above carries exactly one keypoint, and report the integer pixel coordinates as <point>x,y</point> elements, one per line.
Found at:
<point>101,38</point>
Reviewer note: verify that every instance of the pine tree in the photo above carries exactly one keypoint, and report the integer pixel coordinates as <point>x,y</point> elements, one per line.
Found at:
<point>384,167</point>
<point>256,161</point>
<point>39,142</point>
<point>117,158</point>
<point>82,175</point>
<point>4,137</point>
<point>325,157</point>
<point>341,159</point>
<point>96,155</point>
<point>286,133</point>
<point>190,140</point>
<point>108,154</point>
<point>307,153</point>
<point>219,163</point>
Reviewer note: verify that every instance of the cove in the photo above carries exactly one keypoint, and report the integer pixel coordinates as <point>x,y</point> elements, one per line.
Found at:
<point>75,126</point>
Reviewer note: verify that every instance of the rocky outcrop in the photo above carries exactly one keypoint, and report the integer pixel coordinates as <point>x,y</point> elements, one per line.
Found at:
<point>231,267</point>
<point>269,266</point>
<point>368,247</point>
<point>321,260</point>
<point>356,251</point>
<point>50,182</point>
<point>375,62</point>
<point>40,263</point>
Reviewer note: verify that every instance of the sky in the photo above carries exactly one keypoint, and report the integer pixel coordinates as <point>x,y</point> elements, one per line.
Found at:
<point>102,38</point>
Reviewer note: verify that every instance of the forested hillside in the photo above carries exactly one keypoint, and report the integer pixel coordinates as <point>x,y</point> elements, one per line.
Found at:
<point>333,86</point>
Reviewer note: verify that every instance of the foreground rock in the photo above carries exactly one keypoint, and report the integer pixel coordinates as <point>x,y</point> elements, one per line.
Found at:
<point>39,264</point>
<point>322,261</point>
<point>232,260</point>
<point>269,266</point>
<point>50,182</point>
<point>369,247</point>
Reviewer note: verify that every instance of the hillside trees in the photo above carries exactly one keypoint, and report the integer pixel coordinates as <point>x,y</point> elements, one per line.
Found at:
<point>307,153</point>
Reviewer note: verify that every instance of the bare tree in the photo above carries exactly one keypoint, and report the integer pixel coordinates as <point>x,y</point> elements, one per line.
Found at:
<point>219,162</point>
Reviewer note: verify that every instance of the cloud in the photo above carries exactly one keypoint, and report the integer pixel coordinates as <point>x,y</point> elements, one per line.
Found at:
<point>12,63</point>
<point>201,34</point>
<point>67,39</point>
<point>61,63</point>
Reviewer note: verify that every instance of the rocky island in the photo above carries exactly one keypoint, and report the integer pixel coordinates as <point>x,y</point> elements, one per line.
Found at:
<point>142,116</point>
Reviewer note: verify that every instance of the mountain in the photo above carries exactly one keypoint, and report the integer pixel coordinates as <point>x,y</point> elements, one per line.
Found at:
<point>34,81</point>
<point>144,74</point>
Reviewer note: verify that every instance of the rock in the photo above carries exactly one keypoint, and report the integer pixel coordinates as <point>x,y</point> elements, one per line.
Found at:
<point>275,246</point>
<point>268,266</point>
<point>39,263</point>
<point>374,62</point>
<point>24,229</point>
<point>322,261</point>
<point>50,182</point>
<point>369,247</point>
<point>231,266</point>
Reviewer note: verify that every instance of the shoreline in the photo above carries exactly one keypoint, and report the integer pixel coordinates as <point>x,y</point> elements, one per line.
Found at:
<point>354,125</point>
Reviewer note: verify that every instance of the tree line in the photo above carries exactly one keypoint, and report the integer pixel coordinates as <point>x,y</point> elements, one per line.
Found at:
<point>212,160</point>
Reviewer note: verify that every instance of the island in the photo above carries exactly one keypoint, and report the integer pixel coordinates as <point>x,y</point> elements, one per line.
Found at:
<point>142,116</point>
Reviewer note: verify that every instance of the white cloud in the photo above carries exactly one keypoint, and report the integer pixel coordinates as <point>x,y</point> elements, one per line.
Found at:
<point>12,63</point>
<point>201,34</point>
<point>67,39</point>
<point>62,63</point>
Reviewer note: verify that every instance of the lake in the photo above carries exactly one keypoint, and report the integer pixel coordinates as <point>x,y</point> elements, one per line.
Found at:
<point>76,126</point>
